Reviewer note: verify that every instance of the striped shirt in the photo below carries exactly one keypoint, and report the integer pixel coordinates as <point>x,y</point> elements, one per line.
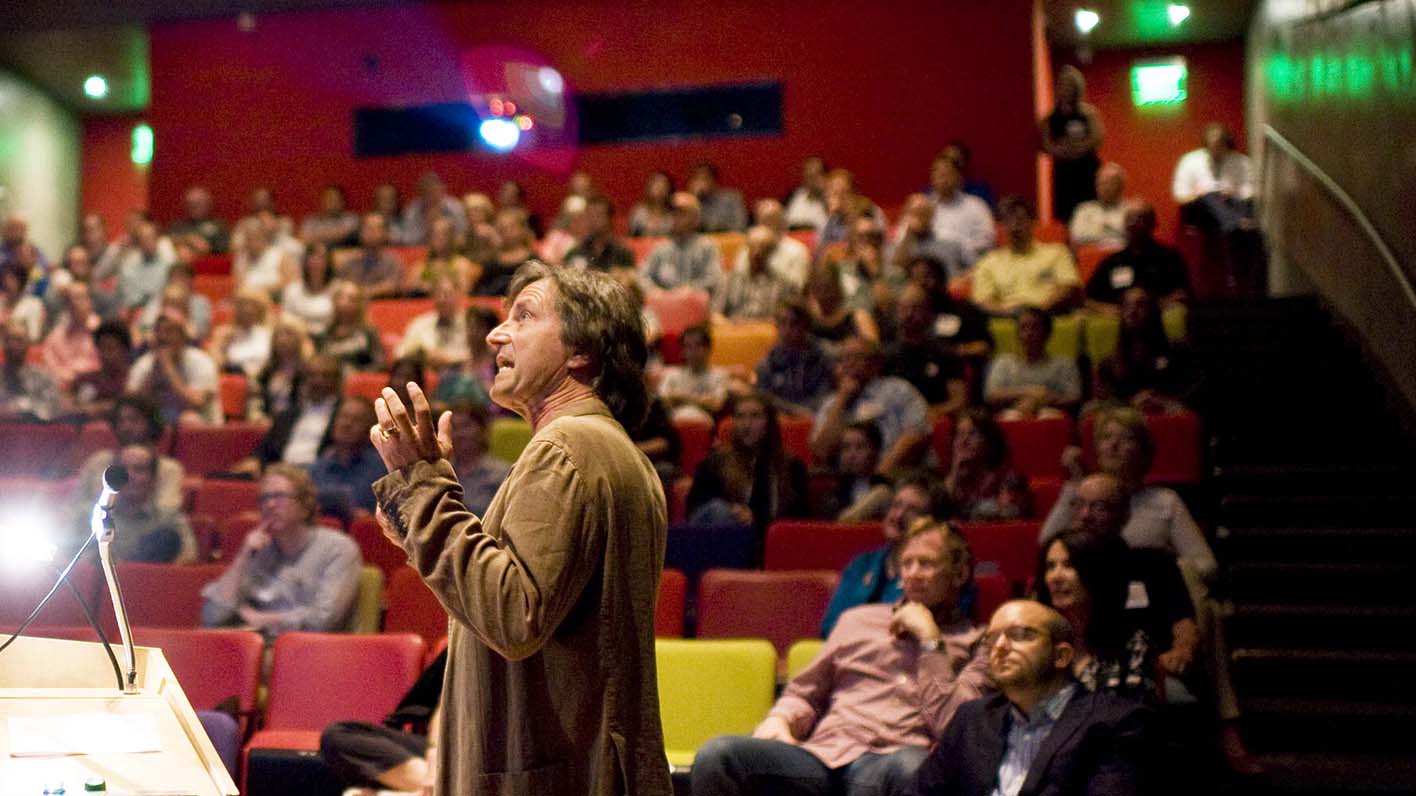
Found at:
<point>1025,738</point>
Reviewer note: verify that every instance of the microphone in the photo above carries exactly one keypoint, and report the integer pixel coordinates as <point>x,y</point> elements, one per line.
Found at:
<point>114,479</point>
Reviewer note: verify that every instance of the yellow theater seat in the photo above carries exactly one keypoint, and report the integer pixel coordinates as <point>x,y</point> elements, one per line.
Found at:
<point>709,688</point>
<point>802,653</point>
<point>507,437</point>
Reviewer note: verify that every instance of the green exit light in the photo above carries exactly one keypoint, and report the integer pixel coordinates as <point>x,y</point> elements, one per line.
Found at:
<point>142,145</point>
<point>1158,82</point>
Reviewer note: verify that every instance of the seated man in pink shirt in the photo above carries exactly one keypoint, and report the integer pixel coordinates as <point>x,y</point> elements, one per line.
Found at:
<point>861,718</point>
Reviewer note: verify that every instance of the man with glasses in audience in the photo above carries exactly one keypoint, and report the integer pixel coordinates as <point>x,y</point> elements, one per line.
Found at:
<point>1041,734</point>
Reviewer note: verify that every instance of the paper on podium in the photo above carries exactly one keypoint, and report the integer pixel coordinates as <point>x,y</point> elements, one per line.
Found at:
<point>83,734</point>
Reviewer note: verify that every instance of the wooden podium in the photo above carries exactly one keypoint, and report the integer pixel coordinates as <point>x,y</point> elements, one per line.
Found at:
<point>42,677</point>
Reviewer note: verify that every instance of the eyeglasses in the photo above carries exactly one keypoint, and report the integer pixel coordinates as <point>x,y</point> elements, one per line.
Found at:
<point>264,496</point>
<point>1016,634</point>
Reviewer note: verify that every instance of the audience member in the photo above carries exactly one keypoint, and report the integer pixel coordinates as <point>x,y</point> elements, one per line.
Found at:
<point>1144,262</point>
<point>310,298</point>
<point>276,387</point>
<point>788,258</point>
<point>289,574</point>
<point>16,247</point>
<point>686,259</point>
<point>373,266</point>
<point>888,682</point>
<point>1040,734</point>
<point>657,439</point>
<point>143,270</point>
<point>874,576</point>
<point>1215,184</point>
<point>177,294</point>
<point>388,205</point>
<point>403,370</point>
<point>93,236</point>
<point>915,238</point>
<point>512,196</point>
<point>335,224</point>
<point>796,371</point>
<point>860,494</point>
<point>695,390</point>
<point>27,391</point>
<point>480,473</point>
<point>956,321</point>
<point>135,420</point>
<point>262,213</point>
<point>69,351</point>
<point>470,380</point>
<point>182,377</point>
<point>438,336</point>
<point>347,466</point>
<point>579,184</point>
<point>1023,273</point>
<point>862,393</point>
<point>958,216</point>
<point>923,359</point>
<point>95,392</point>
<point>297,435</point>
<point>1147,371</point>
<point>111,263</point>
<point>860,263</point>
<point>843,206</point>
<point>833,319</point>
<point>806,205</point>
<point>982,484</point>
<point>568,231</point>
<point>431,202</point>
<point>752,290</point>
<point>204,231</point>
<point>599,249</point>
<point>1102,221</point>
<point>959,152</point>
<point>243,345</point>
<point>1033,383</point>
<point>652,215</point>
<point>350,337</point>
<point>749,479</point>
<point>481,241</point>
<point>721,209</point>
<point>77,268</point>
<point>148,529</point>
<point>1071,133</point>
<point>443,261</point>
<point>516,247</point>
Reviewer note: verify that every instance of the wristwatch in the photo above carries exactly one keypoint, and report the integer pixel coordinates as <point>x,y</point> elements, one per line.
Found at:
<point>933,645</point>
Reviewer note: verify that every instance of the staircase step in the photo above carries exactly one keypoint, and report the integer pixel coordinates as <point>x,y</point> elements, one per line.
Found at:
<point>1323,583</point>
<point>1342,627</point>
<point>1370,478</point>
<point>1267,543</point>
<point>1317,510</point>
<point>1328,726</point>
<point>1314,774</point>
<point>1353,675</point>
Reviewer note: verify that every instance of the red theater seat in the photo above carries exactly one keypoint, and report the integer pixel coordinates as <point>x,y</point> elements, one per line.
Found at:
<point>678,309</point>
<point>233,388</point>
<point>376,548</point>
<point>38,449</point>
<point>393,315</point>
<point>1179,457</point>
<point>1005,548</point>
<point>795,433</point>
<point>211,664</point>
<point>695,440</point>
<point>1090,256</point>
<point>668,611</point>
<point>215,449</point>
<point>231,530</point>
<point>22,587</point>
<point>412,608</point>
<point>224,497</point>
<point>992,591</point>
<point>1045,492</point>
<point>160,595</point>
<point>1036,445</point>
<point>941,438</point>
<point>217,288</point>
<point>818,544</point>
<point>781,607</point>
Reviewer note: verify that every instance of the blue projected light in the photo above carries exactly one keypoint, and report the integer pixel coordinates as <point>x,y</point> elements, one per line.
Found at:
<point>500,134</point>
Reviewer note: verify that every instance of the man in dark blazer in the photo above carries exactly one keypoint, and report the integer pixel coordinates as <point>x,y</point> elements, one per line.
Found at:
<point>298,434</point>
<point>1043,734</point>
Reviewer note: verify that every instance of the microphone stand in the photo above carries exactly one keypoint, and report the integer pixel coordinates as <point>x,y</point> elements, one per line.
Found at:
<point>101,523</point>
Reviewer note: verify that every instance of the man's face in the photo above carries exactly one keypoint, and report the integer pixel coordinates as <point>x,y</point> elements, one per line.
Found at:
<point>1032,333</point>
<point>169,334</point>
<point>320,381</point>
<point>16,229</point>
<point>771,215</point>
<point>791,329</point>
<point>147,239</point>
<point>1215,143</point>
<point>468,434</point>
<point>1140,224</point>
<point>346,301</point>
<point>447,299</point>
<point>351,424</point>
<point>597,218</point>
<point>695,351</point>
<point>1020,652</point>
<point>813,174</point>
<point>927,575</point>
<point>331,201</point>
<point>138,461</point>
<point>909,504</point>
<point>373,231</point>
<point>945,177</point>
<point>129,425</point>
<point>913,312</point>
<point>1018,224</point>
<point>532,360</point>
<point>1100,507</point>
<point>919,213</point>
<point>685,217</point>
<point>858,456</point>
<point>280,510</point>
<point>198,203</point>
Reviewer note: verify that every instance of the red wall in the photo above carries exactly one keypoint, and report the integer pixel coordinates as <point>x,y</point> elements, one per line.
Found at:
<point>1149,141</point>
<point>877,89</point>
<point>110,184</point>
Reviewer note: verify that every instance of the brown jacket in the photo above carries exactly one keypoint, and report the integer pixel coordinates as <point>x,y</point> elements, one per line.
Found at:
<point>550,685</point>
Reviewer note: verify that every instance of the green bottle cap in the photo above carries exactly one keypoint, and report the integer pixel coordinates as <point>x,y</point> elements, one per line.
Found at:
<point>93,784</point>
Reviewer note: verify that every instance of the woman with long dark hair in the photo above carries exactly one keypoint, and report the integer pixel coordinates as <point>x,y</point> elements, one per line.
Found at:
<point>982,484</point>
<point>749,479</point>
<point>1147,371</point>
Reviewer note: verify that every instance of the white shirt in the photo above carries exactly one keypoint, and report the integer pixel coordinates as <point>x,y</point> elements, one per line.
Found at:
<point>303,447</point>
<point>1094,223</point>
<point>966,220</point>
<point>1195,176</point>
<point>315,309</point>
<point>425,335</point>
<point>788,261</point>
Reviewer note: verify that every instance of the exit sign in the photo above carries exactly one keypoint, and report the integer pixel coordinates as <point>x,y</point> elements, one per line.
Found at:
<point>1158,82</point>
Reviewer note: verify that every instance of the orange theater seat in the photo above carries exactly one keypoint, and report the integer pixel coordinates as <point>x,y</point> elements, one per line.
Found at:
<point>678,309</point>
<point>782,607</point>
<point>729,244</point>
<point>215,449</point>
<point>818,544</point>
<point>668,611</point>
<point>412,607</point>
<point>742,343</point>
<point>641,248</point>
<point>695,440</point>
<point>393,315</point>
<point>1036,444</point>
<point>232,388</point>
<point>1005,548</point>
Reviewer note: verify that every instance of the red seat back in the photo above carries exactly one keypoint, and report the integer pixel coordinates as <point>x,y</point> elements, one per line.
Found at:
<point>782,607</point>
<point>1045,492</point>
<point>365,384</point>
<point>695,440</point>
<point>795,433</point>
<point>941,438</point>
<point>212,665</point>
<point>393,315</point>
<point>376,548</point>
<point>1036,445</point>
<point>320,678</point>
<point>1005,548</point>
<point>668,611</point>
<point>818,544</point>
<point>160,595</point>
<point>231,530</point>
<point>21,589</point>
<point>1179,454</point>
<point>214,449</point>
<point>412,607</point>
<point>678,309</point>
<point>223,497</point>
<point>1089,257</point>
<point>232,389</point>
<point>41,449</point>
<point>991,591</point>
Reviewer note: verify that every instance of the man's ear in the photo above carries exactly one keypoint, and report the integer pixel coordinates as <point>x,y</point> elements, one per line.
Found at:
<point>577,363</point>
<point>1062,655</point>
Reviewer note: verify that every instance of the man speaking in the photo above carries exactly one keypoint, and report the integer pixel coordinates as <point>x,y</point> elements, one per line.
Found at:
<point>550,685</point>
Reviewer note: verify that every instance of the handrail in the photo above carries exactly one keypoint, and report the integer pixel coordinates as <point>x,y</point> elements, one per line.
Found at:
<point>1348,203</point>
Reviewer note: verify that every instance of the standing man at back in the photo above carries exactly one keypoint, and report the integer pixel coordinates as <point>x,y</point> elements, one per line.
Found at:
<point>550,685</point>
